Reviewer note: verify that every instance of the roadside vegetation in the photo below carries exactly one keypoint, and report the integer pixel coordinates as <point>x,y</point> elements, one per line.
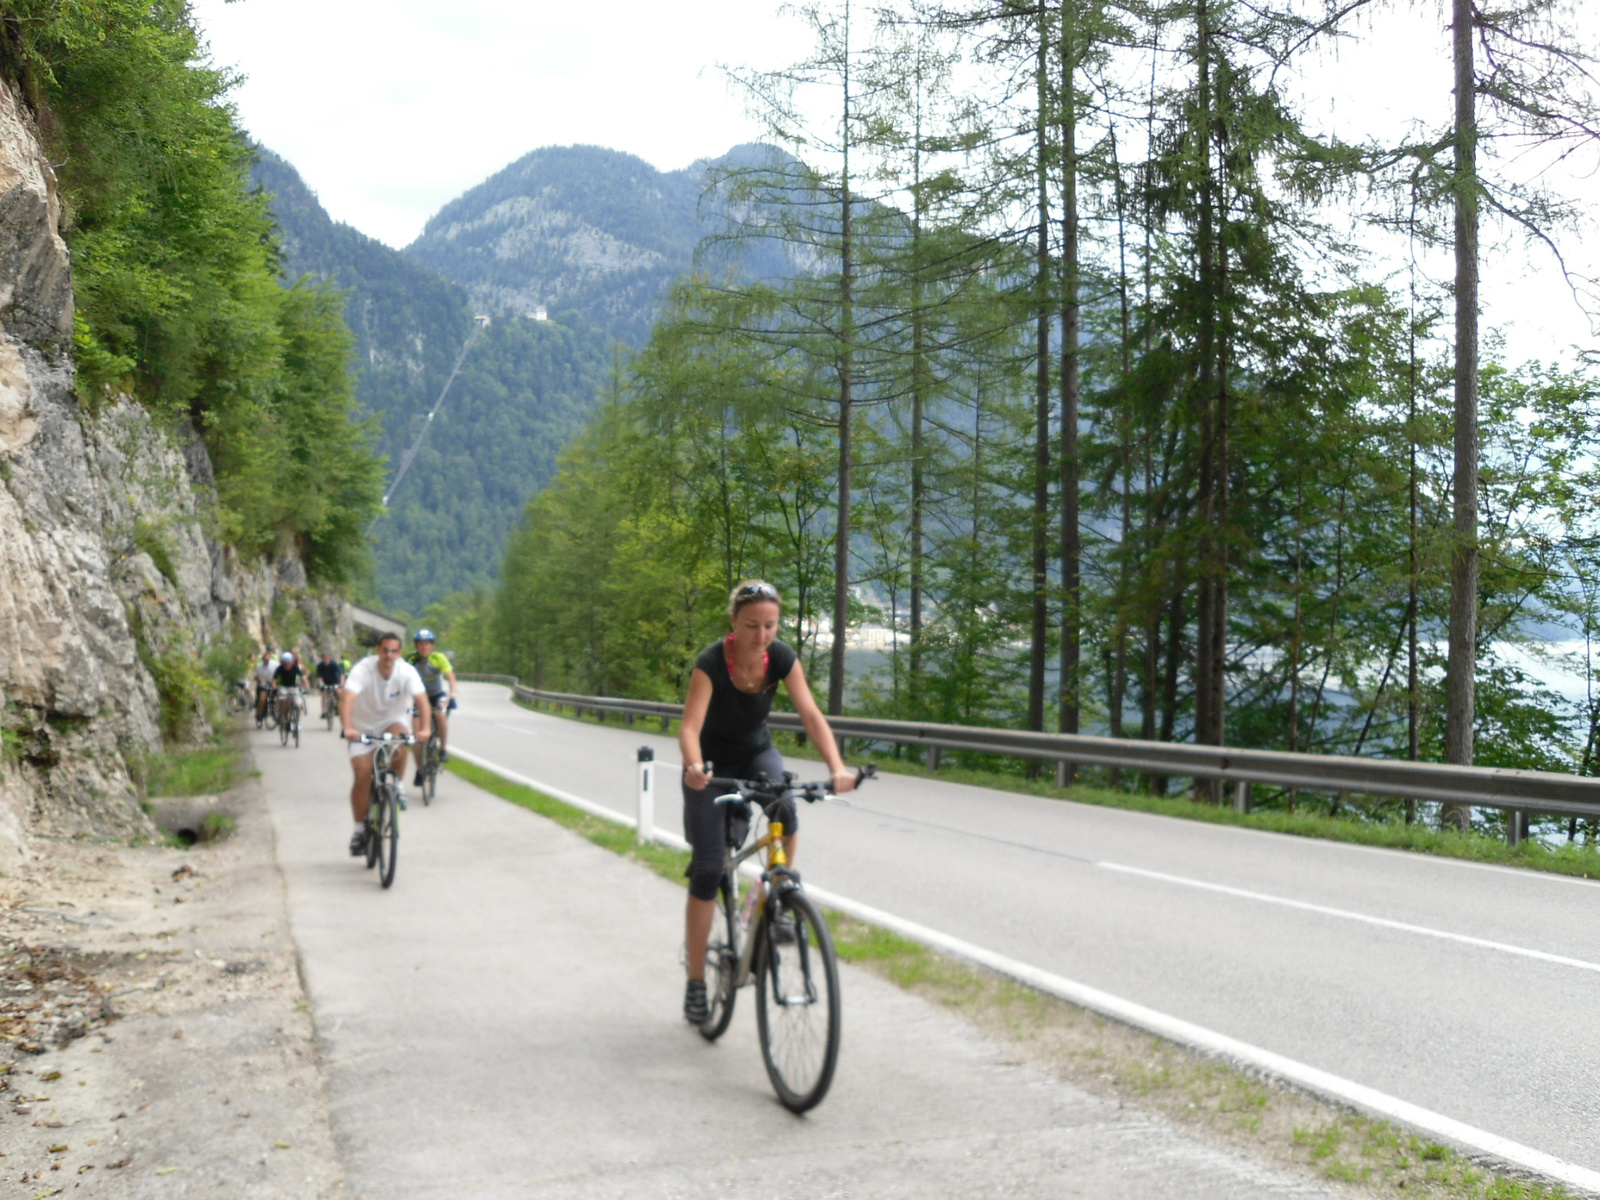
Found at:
<point>178,301</point>
<point>1355,819</point>
<point>1220,1102</point>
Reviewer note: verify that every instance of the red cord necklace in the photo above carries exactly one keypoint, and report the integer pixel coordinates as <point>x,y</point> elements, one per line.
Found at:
<point>766,662</point>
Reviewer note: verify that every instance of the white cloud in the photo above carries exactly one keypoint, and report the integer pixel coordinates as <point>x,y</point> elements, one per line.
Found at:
<point>391,109</point>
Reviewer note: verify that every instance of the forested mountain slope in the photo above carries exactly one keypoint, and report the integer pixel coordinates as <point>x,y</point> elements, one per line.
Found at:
<point>524,390</point>
<point>580,227</point>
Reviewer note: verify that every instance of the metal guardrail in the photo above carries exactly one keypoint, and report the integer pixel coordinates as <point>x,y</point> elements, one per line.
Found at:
<point>1517,792</point>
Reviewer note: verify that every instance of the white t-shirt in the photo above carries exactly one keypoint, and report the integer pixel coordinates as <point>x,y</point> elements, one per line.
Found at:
<point>382,702</point>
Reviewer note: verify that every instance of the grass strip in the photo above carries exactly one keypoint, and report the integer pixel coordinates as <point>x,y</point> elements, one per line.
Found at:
<point>203,771</point>
<point>1260,1117</point>
<point>1358,829</point>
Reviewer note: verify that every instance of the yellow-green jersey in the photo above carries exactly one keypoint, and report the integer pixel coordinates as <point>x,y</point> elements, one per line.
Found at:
<point>433,669</point>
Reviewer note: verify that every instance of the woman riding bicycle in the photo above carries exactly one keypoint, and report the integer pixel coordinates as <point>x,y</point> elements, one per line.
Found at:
<point>725,730</point>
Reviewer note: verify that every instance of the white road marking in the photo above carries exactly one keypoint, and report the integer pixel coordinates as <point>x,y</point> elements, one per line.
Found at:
<point>1175,1029</point>
<point>1560,960</point>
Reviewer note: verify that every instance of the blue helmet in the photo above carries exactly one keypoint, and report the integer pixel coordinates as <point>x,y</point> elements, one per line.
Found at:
<point>424,635</point>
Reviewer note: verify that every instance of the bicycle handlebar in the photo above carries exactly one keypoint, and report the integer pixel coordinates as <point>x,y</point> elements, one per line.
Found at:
<point>769,791</point>
<point>366,739</point>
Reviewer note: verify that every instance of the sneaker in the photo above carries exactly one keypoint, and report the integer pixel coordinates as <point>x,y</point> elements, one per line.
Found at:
<point>416,780</point>
<point>400,796</point>
<point>694,1003</point>
<point>358,843</point>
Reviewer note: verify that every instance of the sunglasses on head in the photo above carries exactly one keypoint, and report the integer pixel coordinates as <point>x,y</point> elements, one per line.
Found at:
<point>754,591</point>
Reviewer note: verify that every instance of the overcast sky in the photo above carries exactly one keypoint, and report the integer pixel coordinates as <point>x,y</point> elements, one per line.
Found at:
<point>391,109</point>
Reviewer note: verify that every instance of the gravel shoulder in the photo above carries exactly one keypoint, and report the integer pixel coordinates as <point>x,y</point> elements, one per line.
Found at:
<point>157,1039</point>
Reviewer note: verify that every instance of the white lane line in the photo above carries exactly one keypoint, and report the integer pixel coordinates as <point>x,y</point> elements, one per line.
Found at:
<point>1559,960</point>
<point>1313,1079</point>
<point>517,729</point>
<point>1174,1029</point>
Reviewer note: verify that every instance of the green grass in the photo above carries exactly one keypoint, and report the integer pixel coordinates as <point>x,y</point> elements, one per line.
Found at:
<point>205,771</point>
<point>619,839</point>
<point>1279,1123</point>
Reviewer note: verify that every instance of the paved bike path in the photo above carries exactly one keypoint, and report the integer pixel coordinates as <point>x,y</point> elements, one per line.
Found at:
<point>504,1022</point>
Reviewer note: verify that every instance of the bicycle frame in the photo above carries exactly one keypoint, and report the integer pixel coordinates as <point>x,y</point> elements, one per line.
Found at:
<point>776,874</point>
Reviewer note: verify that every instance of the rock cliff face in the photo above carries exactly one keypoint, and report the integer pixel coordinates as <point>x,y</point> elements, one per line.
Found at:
<point>108,577</point>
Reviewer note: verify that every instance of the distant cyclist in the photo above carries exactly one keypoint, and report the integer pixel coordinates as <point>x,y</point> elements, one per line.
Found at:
<point>725,730</point>
<point>264,670</point>
<point>377,698</point>
<point>288,679</point>
<point>440,679</point>
<point>329,675</point>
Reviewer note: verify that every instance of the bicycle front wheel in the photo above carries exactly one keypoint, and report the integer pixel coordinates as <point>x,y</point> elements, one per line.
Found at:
<point>283,730</point>
<point>797,1002</point>
<point>722,963</point>
<point>388,837</point>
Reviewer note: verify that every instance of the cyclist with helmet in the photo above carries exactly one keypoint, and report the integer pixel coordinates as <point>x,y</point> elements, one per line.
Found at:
<point>289,678</point>
<point>725,730</point>
<point>439,677</point>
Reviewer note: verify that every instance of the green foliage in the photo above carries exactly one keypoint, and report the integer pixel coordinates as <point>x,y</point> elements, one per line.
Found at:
<point>182,687</point>
<point>524,390</point>
<point>174,272</point>
<point>149,539</point>
<point>202,771</point>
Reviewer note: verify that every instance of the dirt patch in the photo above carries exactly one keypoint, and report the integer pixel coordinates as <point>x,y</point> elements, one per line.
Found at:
<point>156,1038</point>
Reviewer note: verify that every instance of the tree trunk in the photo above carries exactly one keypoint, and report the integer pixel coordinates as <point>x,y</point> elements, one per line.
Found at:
<point>919,390</point>
<point>841,550</point>
<point>1070,384</point>
<point>1461,664</point>
<point>1039,639</point>
<point>1207,600</point>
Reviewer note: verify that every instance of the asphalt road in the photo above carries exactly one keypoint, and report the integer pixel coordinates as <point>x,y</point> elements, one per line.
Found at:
<point>1465,989</point>
<point>505,1022</point>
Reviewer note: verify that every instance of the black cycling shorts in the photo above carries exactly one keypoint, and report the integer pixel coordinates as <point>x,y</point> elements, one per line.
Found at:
<point>707,824</point>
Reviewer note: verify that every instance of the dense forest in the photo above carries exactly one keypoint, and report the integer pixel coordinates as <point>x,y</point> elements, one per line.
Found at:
<point>1114,397</point>
<point>176,275</point>
<point>524,390</point>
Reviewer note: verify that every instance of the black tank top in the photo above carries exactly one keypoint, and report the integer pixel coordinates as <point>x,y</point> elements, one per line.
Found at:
<point>735,729</point>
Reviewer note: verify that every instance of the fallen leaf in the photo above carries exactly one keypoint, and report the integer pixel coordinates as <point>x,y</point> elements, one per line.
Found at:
<point>281,1145</point>
<point>178,1034</point>
<point>50,1076</point>
<point>86,1167</point>
<point>121,1162</point>
<point>165,1170</point>
<point>58,1149</point>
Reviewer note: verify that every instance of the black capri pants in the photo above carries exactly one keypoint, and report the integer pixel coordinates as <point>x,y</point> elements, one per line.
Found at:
<point>707,825</point>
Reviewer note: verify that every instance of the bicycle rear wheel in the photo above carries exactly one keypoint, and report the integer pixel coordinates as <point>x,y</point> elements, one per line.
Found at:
<point>388,836</point>
<point>722,962</point>
<point>797,1003</point>
<point>430,771</point>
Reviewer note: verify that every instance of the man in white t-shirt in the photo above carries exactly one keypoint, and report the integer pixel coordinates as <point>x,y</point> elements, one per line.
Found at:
<point>377,697</point>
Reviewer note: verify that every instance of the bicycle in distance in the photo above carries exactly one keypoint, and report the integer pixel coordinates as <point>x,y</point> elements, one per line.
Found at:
<point>238,699</point>
<point>773,935</point>
<point>288,705</point>
<point>330,704</point>
<point>383,806</point>
<point>432,754</point>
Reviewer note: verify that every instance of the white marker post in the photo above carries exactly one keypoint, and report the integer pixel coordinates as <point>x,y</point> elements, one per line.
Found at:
<point>647,795</point>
